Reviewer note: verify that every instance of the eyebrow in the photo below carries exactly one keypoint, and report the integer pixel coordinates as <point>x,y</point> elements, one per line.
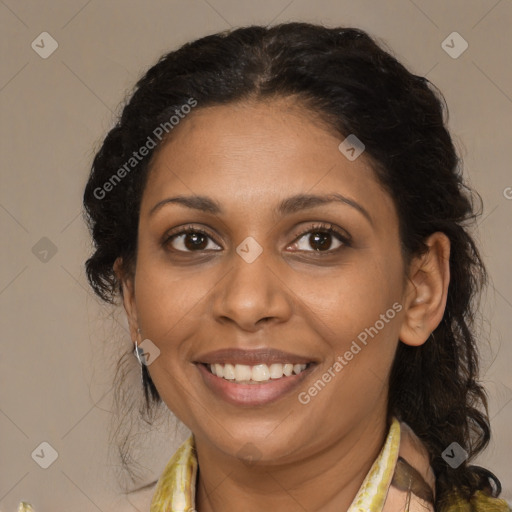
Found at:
<point>288,206</point>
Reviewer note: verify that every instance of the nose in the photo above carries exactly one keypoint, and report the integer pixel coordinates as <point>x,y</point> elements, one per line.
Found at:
<point>252,295</point>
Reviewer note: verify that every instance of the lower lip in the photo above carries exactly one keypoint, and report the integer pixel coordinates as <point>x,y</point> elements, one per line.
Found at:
<point>251,394</point>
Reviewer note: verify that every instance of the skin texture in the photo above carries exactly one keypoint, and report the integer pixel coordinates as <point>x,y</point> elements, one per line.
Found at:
<point>249,157</point>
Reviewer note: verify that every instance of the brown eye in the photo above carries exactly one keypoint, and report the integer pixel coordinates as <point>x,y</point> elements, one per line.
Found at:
<point>320,239</point>
<point>191,240</point>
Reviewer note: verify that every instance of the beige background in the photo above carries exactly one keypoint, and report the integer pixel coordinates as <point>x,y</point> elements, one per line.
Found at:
<point>59,344</point>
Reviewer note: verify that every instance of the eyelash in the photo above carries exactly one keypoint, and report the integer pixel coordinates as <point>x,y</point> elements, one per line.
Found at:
<point>316,228</point>
<point>324,229</point>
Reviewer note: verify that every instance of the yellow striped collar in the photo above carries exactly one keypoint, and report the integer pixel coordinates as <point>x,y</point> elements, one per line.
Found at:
<point>400,479</point>
<point>176,488</point>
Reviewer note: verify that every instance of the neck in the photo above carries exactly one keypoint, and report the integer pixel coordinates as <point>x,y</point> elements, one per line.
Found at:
<point>327,481</point>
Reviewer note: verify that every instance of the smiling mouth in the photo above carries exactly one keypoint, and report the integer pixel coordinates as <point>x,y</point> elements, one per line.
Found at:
<point>256,374</point>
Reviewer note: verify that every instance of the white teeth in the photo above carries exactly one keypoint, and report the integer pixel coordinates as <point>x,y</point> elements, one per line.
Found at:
<point>260,373</point>
<point>276,371</point>
<point>219,370</point>
<point>298,368</point>
<point>229,372</point>
<point>287,369</point>
<point>242,372</point>
<point>257,373</point>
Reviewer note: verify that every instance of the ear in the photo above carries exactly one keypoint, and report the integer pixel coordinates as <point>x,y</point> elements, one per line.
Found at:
<point>128,289</point>
<point>426,291</point>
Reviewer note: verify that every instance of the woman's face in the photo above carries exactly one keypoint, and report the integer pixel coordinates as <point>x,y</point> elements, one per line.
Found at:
<point>260,281</point>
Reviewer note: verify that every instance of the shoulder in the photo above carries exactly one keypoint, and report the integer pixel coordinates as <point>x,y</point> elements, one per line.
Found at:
<point>138,499</point>
<point>25,507</point>
<point>480,502</point>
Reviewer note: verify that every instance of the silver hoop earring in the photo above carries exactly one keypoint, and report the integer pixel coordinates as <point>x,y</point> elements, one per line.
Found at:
<point>138,352</point>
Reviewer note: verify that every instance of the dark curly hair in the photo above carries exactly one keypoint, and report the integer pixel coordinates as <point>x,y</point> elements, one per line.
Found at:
<point>356,87</point>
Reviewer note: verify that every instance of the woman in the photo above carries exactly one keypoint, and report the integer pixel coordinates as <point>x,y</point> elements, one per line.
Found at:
<point>283,213</point>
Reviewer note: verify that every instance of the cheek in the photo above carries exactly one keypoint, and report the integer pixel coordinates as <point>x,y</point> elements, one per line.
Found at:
<point>168,304</point>
<point>359,312</point>
<point>353,381</point>
<point>166,297</point>
<point>354,297</point>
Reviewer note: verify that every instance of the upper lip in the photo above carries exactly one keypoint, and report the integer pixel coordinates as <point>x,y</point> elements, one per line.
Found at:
<point>251,357</point>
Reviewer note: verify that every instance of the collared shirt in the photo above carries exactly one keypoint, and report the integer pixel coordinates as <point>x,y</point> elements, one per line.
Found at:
<point>176,488</point>
<point>400,480</point>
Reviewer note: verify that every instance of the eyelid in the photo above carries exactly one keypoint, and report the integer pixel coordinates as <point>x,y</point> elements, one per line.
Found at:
<point>186,229</point>
<point>324,226</point>
<point>341,235</point>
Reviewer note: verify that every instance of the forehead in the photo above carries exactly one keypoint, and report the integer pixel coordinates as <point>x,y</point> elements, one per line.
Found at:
<point>255,154</point>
